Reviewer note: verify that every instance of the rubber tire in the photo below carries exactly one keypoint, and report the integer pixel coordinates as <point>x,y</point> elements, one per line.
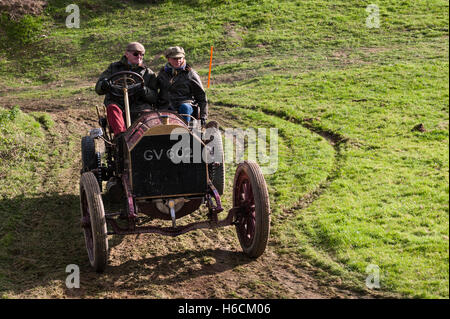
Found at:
<point>262,208</point>
<point>96,238</point>
<point>217,174</point>
<point>88,157</point>
<point>98,165</point>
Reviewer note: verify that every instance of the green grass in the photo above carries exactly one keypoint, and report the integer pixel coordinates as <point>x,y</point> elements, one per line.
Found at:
<point>40,93</point>
<point>315,62</point>
<point>304,159</point>
<point>33,203</point>
<point>389,204</point>
<point>237,29</point>
<point>23,156</point>
<point>23,151</point>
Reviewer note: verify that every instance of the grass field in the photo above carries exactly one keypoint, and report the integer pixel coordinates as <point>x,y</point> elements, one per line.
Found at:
<point>305,67</point>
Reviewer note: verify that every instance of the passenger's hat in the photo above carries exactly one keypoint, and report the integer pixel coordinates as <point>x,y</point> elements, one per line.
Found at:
<point>175,52</point>
<point>135,46</point>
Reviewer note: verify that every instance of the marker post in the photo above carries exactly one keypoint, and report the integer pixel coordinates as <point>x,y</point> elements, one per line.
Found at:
<point>210,63</point>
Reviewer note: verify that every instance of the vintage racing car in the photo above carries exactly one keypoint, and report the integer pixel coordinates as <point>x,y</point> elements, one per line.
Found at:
<point>165,169</point>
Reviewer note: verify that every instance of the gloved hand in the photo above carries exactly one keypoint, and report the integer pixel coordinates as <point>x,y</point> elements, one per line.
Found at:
<point>105,85</point>
<point>142,91</point>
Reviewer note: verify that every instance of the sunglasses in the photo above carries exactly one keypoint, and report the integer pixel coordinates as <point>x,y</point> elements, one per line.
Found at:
<point>136,53</point>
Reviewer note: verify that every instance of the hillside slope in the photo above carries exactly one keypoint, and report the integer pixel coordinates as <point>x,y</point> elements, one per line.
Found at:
<point>358,186</point>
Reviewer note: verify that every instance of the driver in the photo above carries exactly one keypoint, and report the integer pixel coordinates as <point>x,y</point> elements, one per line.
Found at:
<point>180,86</point>
<point>144,98</point>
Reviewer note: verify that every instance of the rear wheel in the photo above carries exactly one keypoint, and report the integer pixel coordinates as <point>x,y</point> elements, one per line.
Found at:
<point>93,221</point>
<point>253,220</point>
<point>216,169</point>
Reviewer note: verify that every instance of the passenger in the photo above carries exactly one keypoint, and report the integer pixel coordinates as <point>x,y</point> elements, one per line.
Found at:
<point>180,87</point>
<point>144,98</point>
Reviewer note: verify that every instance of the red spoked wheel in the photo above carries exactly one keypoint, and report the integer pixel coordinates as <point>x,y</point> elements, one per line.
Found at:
<point>253,219</point>
<point>93,221</point>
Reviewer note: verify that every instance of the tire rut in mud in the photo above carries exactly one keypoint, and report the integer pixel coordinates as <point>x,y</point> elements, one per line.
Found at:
<point>200,264</point>
<point>336,140</point>
<point>210,264</point>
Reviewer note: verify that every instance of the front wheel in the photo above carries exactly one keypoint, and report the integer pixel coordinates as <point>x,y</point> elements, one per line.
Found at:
<point>253,220</point>
<point>93,221</point>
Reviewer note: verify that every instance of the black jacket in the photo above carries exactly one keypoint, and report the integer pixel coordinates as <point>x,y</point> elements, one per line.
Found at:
<point>184,87</point>
<point>143,101</point>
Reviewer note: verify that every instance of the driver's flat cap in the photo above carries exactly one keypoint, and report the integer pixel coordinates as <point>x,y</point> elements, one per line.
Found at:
<point>175,52</point>
<point>135,46</point>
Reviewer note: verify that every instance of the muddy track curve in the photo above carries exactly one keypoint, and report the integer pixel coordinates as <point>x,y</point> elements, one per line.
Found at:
<point>336,140</point>
<point>200,264</point>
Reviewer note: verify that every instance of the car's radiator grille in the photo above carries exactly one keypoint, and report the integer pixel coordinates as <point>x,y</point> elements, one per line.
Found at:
<point>155,174</point>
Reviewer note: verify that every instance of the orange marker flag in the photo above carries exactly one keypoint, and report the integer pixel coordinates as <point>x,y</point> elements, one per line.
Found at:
<point>210,63</point>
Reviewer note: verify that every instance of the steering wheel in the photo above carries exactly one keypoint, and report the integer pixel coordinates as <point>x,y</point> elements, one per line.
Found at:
<point>131,80</point>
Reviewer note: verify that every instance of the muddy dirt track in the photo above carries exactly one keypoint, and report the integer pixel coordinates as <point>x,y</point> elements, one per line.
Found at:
<point>199,264</point>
